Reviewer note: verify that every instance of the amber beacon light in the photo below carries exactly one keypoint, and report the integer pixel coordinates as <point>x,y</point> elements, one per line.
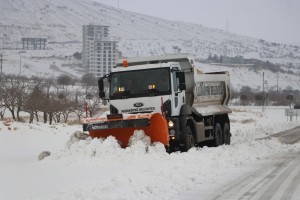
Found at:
<point>125,63</point>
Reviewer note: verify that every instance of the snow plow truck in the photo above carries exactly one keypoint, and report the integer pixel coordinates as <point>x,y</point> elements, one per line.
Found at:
<point>167,97</point>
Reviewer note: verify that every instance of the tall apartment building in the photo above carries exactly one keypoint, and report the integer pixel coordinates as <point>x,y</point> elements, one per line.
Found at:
<point>99,52</point>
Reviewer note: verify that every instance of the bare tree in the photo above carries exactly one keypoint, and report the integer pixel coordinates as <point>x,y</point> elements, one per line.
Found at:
<point>77,55</point>
<point>259,99</point>
<point>2,110</point>
<point>14,90</point>
<point>45,101</point>
<point>52,106</point>
<point>64,106</point>
<point>48,106</point>
<point>33,103</point>
<point>78,105</point>
<point>244,99</point>
<point>57,106</point>
<point>93,102</point>
<point>64,80</point>
<point>88,80</point>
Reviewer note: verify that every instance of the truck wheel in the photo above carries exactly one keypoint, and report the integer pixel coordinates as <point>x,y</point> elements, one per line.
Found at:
<point>218,136</point>
<point>189,139</point>
<point>226,133</point>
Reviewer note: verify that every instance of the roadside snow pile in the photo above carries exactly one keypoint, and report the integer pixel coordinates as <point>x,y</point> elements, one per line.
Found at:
<point>248,127</point>
<point>100,169</point>
<point>144,171</point>
<point>76,137</point>
<point>139,139</point>
<point>260,124</point>
<point>81,146</point>
<point>129,175</point>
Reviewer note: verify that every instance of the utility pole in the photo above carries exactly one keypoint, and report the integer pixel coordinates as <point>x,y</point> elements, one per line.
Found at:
<point>277,82</point>
<point>20,63</point>
<point>20,52</point>
<point>264,98</point>
<point>1,61</point>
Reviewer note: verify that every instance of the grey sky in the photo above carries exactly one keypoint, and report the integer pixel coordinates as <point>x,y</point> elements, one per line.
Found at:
<point>272,20</point>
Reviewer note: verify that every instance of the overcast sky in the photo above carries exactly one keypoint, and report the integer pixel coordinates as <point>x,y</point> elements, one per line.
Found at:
<point>272,20</point>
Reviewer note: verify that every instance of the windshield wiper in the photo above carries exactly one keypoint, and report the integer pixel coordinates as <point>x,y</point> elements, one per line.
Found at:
<point>154,92</point>
<point>121,94</point>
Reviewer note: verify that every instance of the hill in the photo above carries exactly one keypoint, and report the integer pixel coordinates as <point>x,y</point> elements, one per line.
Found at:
<point>60,21</point>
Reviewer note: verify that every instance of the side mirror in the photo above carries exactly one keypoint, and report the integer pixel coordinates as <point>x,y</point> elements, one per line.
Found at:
<point>101,88</point>
<point>102,95</point>
<point>181,77</point>
<point>103,85</point>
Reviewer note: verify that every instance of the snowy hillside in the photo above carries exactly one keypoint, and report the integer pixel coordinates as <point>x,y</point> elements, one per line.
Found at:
<point>60,21</point>
<point>138,34</point>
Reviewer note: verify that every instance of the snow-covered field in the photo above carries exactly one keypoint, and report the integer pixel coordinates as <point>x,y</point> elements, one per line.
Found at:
<point>100,169</point>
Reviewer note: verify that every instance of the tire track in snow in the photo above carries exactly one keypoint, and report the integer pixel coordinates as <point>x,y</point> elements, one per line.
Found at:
<point>294,183</point>
<point>279,186</point>
<point>279,181</point>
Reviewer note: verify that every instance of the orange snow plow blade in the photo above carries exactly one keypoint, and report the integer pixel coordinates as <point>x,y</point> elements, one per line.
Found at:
<point>154,125</point>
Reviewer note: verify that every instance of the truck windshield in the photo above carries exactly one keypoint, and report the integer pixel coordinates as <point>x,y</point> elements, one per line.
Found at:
<point>140,83</point>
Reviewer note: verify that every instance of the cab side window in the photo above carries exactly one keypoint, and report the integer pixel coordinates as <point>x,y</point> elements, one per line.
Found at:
<point>175,80</point>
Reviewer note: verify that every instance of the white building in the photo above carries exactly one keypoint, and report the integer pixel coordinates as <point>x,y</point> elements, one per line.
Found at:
<point>99,52</point>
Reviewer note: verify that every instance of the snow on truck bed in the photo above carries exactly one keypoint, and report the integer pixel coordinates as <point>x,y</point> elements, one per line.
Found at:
<point>100,169</point>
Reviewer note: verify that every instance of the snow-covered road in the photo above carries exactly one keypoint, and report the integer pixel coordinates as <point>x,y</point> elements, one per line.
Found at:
<point>100,169</point>
<point>276,179</point>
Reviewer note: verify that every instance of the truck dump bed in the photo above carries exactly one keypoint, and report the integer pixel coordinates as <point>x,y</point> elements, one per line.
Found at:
<point>211,88</point>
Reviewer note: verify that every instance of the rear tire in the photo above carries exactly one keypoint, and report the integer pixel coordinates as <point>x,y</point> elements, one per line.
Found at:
<point>218,136</point>
<point>226,133</point>
<point>189,141</point>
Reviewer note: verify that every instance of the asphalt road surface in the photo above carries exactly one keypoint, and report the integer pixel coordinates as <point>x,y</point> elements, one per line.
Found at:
<point>279,181</point>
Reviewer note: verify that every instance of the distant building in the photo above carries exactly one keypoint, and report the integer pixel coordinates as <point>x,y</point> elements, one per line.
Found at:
<point>233,60</point>
<point>34,43</point>
<point>99,52</point>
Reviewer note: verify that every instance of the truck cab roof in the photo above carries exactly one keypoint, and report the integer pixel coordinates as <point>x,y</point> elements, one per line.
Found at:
<point>146,66</point>
<point>183,59</point>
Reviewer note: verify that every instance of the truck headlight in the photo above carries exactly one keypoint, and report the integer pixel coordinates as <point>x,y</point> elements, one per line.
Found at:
<point>171,124</point>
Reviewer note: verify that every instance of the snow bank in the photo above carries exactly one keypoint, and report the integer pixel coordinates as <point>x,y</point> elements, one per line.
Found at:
<point>101,169</point>
<point>78,150</point>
